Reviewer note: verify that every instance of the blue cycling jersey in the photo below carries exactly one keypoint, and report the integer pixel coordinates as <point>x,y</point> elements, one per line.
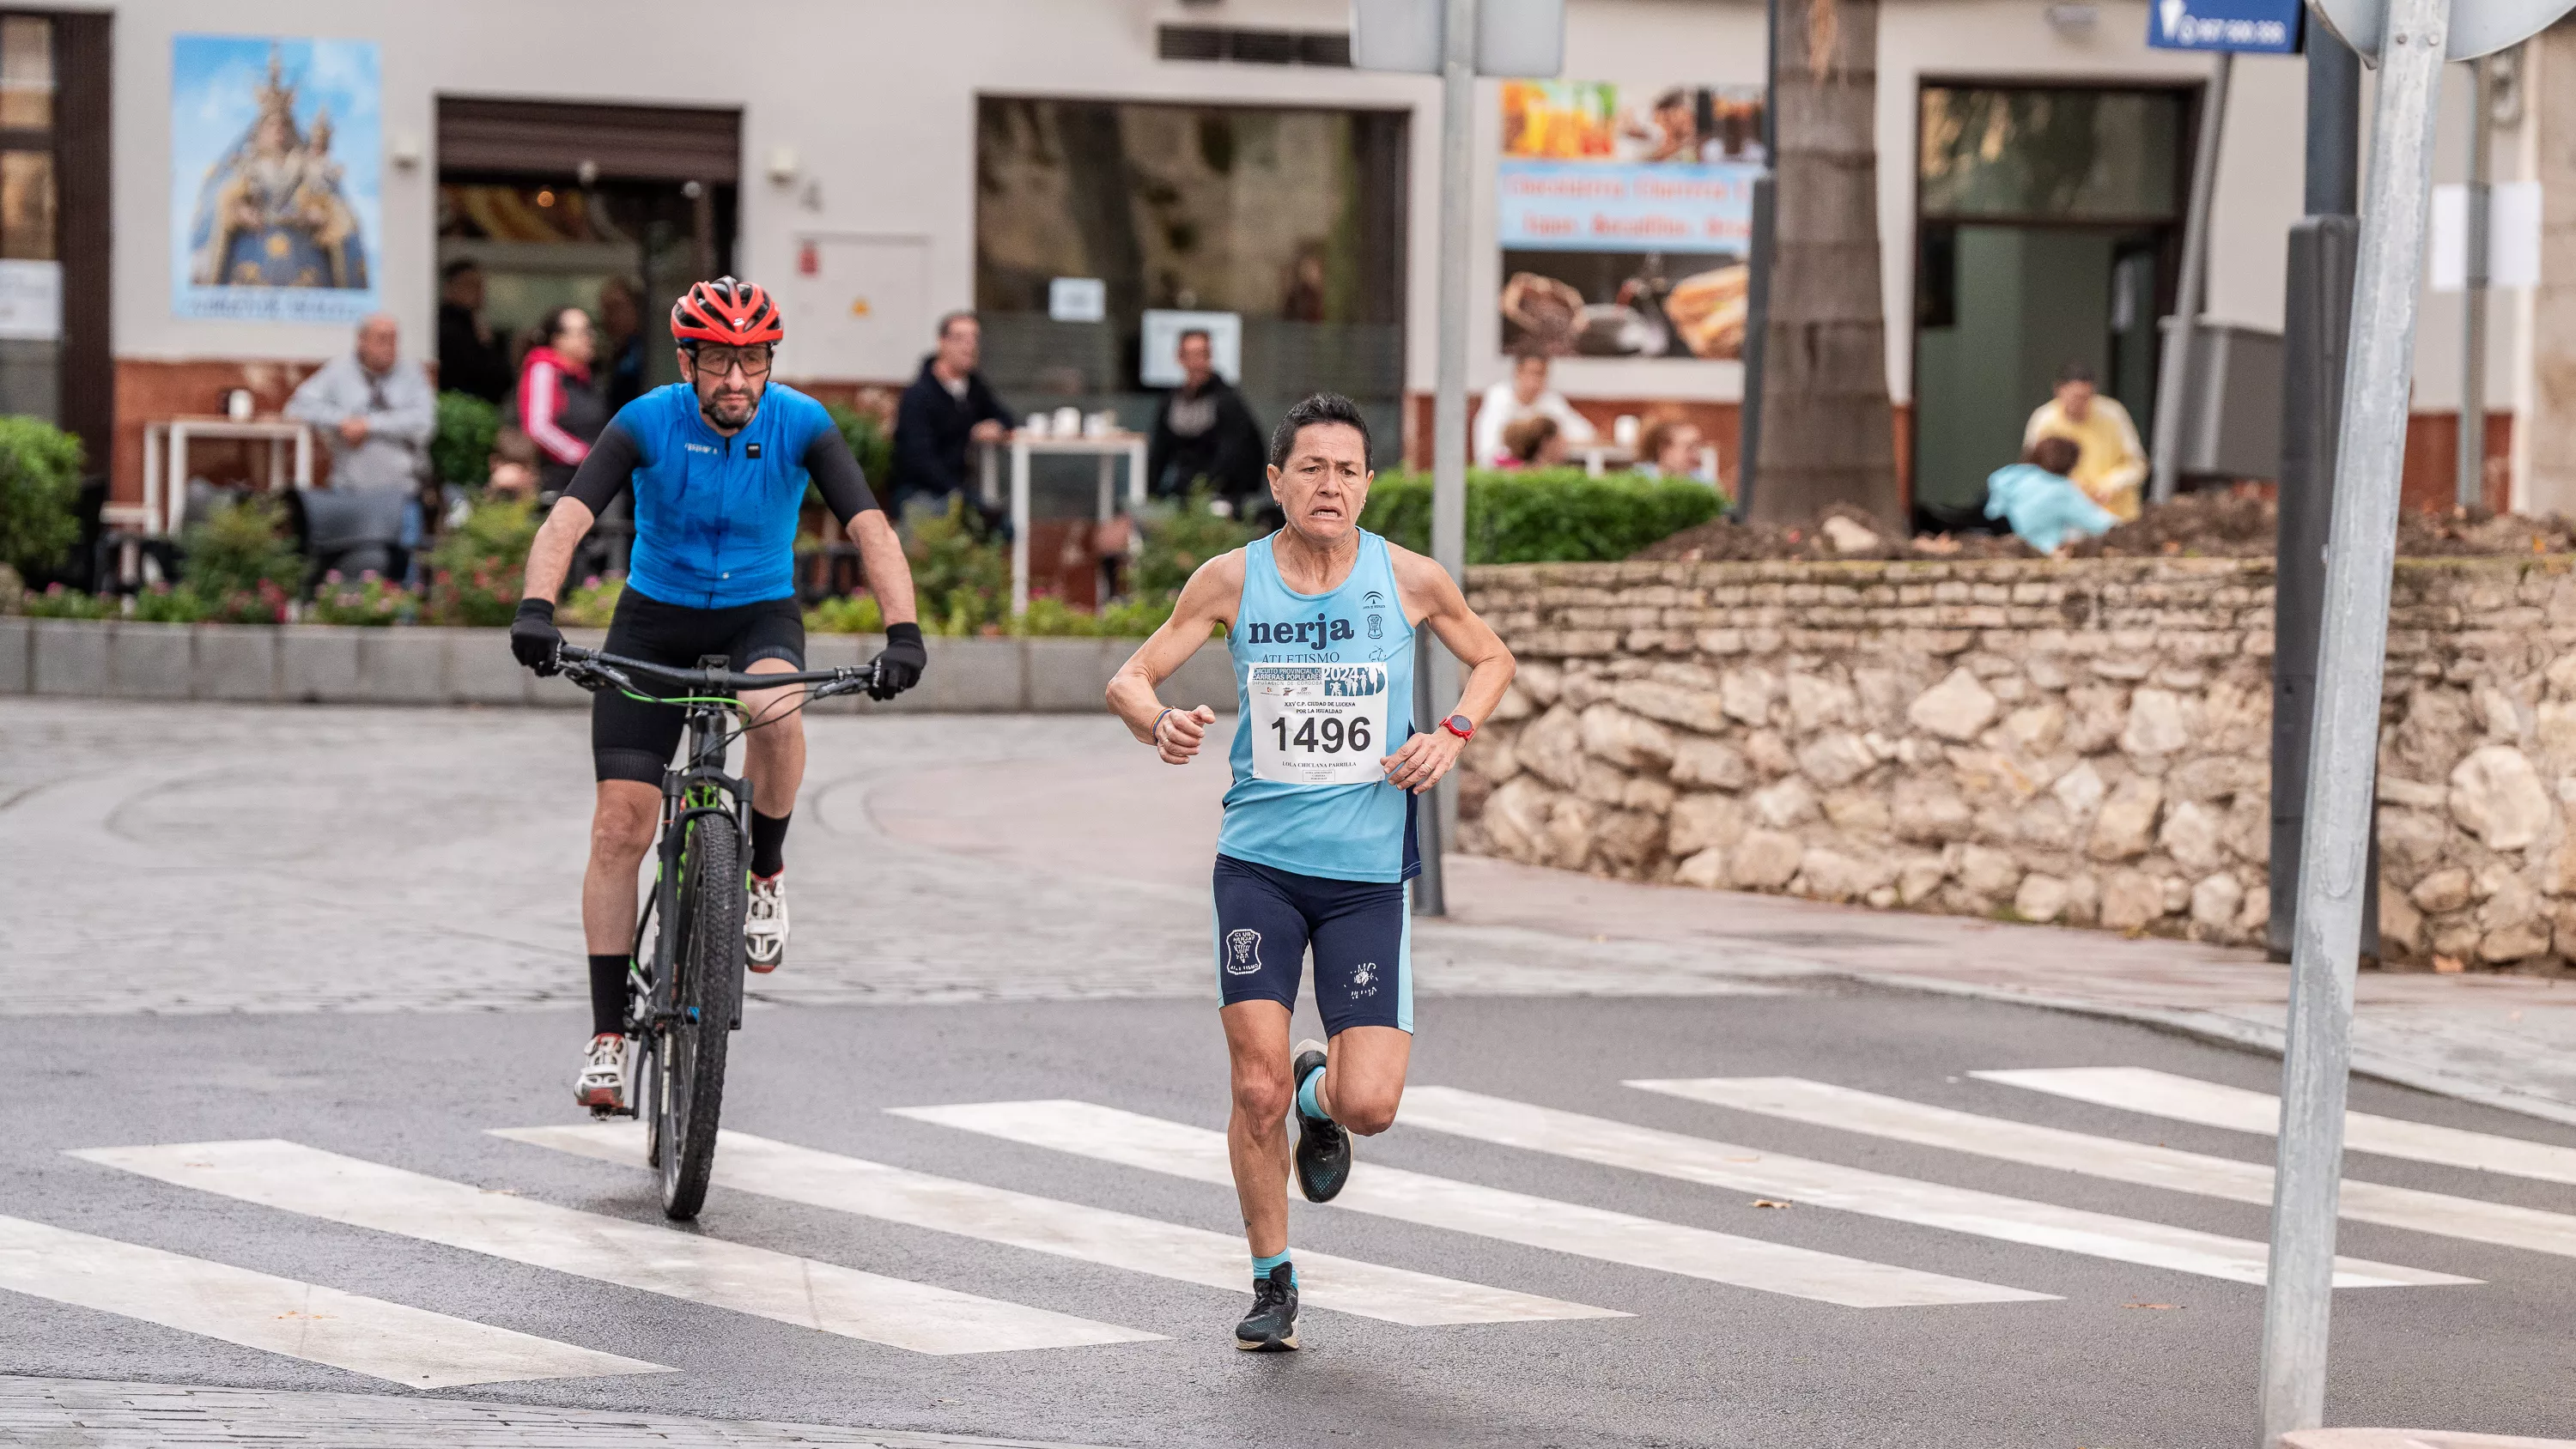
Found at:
<point>715,517</point>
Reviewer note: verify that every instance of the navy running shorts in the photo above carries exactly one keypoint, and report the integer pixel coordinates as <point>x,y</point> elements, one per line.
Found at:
<point>1361,932</point>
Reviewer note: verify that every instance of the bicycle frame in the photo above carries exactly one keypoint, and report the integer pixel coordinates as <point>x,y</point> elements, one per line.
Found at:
<point>695,788</point>
<point>698,787</point>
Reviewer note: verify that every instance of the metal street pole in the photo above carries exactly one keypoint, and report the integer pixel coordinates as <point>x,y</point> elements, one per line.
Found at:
<point>2471,489</point>
<point>2165,453</point>
<point>2370,457</point>
<point>2315,338</point>
<point>1449,402</point>
<point>1757,300</point>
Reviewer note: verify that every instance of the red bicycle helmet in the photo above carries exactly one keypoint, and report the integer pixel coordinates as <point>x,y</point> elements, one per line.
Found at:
<point>726,312</point>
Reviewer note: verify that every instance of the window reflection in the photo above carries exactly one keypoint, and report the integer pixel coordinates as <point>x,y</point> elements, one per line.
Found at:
<point>26,206</point>
<point>2070,154</point>
<point>26,72</point>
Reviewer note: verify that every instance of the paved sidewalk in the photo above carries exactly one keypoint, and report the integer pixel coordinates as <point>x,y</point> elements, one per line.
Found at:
<point>201,858</point>
<point>84,1414</point>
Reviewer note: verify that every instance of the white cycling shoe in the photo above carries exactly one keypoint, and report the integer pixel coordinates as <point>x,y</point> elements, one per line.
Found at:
<point>764,924</point>
<point>602,1084</point>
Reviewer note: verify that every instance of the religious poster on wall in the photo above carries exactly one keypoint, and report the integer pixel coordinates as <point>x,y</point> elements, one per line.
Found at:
<point>276,160</point>
<point>1625,216</point>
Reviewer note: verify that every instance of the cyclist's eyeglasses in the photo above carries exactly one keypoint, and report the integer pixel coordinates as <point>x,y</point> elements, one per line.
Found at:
<point>717,361</point>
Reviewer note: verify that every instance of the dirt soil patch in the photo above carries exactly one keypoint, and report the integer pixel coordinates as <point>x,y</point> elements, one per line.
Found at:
<point>2215,524</point>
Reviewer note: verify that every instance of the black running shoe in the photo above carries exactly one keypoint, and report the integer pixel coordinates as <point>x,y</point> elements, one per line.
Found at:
<point>1323,1148</point>
<point>1271,1326</point>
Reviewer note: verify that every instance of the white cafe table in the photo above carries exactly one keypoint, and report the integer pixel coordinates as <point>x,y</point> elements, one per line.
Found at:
<point>165,486</point>
<point>1022,445</point>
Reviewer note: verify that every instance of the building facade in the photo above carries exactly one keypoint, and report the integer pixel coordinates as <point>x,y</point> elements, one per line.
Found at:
<point>881,163</point>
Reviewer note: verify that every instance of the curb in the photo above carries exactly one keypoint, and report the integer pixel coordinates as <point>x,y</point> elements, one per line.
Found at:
<point>431,666</point>
<point>2210,1026</point>
<point>2411,1439</point>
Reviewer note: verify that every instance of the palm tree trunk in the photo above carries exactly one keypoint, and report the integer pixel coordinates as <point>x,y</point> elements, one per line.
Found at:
<point>1827,429</point>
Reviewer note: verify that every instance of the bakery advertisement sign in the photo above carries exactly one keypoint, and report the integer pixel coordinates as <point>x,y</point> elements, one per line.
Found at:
<point>1625,217</point>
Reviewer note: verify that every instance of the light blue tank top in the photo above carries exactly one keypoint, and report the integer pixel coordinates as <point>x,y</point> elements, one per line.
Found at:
<point>1337,831</point>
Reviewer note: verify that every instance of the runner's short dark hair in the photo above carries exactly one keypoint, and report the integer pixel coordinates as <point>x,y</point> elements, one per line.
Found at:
<point>951,319</point>
<point>1320,407</point>
<point>2073,371</point>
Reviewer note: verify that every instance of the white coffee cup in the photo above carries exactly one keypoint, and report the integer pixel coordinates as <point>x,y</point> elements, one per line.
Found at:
<point>1036,426</point>
<point>239,404</point>
<point>1623,430</point>
<point>1068,422</point>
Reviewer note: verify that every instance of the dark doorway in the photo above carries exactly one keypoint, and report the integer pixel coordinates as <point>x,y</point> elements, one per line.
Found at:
<point>2048,231</point>
<point>556,201</point>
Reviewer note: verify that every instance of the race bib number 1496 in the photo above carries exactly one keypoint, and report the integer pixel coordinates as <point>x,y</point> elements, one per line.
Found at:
<point>1318,724</point>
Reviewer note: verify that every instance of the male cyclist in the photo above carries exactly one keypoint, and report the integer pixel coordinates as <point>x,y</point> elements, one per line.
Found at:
<point>719,462</point>
<point>1318,837</point>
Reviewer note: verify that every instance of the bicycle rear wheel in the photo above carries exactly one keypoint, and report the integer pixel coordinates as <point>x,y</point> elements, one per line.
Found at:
<point>689,1092</point>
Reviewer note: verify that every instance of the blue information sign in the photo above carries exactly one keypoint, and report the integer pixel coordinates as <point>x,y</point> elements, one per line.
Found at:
<point>2243,25</point>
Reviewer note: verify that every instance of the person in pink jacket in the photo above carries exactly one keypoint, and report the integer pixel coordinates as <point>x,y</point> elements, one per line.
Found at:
<point>558,404</point>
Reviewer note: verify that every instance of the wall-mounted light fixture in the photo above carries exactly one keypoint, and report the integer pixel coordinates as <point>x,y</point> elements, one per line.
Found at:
<point>404,150</point>
<point>2075,22</point>
<point>782,164</point>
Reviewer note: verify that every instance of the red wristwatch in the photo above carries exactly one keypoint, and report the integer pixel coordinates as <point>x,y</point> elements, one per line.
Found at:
<point>1459,725</point>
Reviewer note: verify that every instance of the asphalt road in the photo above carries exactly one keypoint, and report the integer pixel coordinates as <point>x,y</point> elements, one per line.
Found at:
<point>2011,1325</point>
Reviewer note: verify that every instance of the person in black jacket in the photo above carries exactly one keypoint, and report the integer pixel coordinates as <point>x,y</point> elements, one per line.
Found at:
<point>1204,431</point>
<point>947,408</point>
<point>470,358</point>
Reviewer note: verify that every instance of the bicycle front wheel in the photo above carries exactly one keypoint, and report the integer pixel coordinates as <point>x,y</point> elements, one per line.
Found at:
<point>692,1056</point>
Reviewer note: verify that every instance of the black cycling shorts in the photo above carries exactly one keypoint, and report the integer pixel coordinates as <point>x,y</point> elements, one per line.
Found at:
<point>631,740</point>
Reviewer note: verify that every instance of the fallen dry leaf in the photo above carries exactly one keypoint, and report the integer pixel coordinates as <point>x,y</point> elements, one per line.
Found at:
<point>2449,965</point>
<point>2159,1306</point>
<point>1766,1202</point>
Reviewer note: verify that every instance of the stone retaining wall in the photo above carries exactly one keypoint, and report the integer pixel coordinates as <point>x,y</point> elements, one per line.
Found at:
<point>2078,741</point>
<point>319,664</point>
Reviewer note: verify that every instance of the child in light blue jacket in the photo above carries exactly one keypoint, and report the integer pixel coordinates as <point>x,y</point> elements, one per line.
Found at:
<point>2042,504</point>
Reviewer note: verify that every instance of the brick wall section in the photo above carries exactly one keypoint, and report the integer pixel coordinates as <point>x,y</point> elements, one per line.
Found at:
<point>2079,741</point>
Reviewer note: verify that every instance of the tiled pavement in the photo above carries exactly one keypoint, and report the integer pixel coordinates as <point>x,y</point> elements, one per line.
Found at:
<point>82,1414</point>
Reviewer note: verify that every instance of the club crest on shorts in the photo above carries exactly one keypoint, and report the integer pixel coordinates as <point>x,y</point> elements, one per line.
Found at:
<point>1364,979</point>
<point>1242,952</point>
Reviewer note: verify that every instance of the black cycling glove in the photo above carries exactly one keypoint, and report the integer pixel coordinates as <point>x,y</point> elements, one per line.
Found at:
<point>534,637</point>
<point>900,663</point>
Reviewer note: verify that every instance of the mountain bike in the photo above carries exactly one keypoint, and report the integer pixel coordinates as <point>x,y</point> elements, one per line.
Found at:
<point>684,995</point>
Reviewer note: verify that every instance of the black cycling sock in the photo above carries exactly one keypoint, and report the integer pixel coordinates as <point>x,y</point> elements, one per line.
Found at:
<point>608,994</point>
<point>768,843</point>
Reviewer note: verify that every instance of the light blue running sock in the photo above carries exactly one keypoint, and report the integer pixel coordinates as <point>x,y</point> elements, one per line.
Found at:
<point>1261,1266</point>
<point>1306,1102</point>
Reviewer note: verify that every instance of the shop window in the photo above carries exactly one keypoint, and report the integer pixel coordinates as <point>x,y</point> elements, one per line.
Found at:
<point>1289,221</point>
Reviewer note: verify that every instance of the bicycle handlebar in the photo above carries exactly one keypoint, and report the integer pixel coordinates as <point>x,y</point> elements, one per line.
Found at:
<point>593,670</point>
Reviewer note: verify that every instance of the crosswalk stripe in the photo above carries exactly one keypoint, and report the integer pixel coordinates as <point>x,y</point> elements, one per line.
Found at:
<point>2211,1104</point>
<point>1855,1190</point>
<point>745,1163</point>
<point>788,1289</point>
<point>321,1325</point>
<point>2466,1218</point>
<point>1111,1135</point>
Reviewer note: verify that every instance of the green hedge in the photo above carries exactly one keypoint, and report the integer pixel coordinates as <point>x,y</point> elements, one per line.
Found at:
<point>1556,515</point>
<point>39,487</point>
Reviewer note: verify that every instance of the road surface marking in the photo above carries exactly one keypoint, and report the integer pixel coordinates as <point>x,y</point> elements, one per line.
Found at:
<point>2146,1164</point>
<point>1155,1145</point>
<point>745,1163</point>
<point>788,1289</point>
<point>1854,1190</point>
<point>388,1341</point>
<point>2186,1099</point>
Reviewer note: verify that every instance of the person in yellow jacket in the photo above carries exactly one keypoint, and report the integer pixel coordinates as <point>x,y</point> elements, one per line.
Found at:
<point>2111,465</point>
